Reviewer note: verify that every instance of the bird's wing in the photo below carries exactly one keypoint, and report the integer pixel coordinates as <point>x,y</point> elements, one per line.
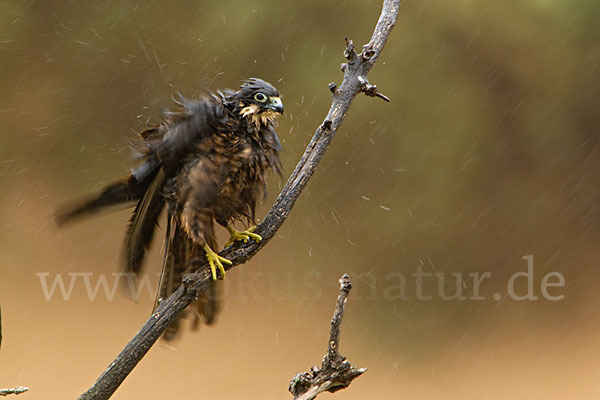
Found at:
<point>170,143</point>
<point>179,131</point>
<point>165,144</point>
<point>165,148</point>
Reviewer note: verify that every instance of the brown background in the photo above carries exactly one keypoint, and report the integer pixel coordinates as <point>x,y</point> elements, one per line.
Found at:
<point>488,152</point>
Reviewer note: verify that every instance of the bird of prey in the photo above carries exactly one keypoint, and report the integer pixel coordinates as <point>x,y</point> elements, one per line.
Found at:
<point>205,162</point>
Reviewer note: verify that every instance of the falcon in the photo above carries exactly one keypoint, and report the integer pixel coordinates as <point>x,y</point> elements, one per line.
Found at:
<point>205,162</point>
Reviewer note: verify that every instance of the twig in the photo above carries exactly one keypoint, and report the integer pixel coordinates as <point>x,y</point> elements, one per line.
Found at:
<point>358,65</point>
<point>15,390</point>
<point>333,352</point>
<point>335,373</point>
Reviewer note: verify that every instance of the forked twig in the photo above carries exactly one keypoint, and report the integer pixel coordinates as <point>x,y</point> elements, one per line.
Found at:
<point>335,372</point>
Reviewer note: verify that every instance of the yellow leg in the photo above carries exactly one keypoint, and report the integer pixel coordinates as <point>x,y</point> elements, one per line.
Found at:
<point>242,235</point>
<point>216,262</point>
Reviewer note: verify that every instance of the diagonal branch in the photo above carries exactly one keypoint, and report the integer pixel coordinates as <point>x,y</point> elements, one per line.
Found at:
<point>335,373</point>
<point>355,81</point>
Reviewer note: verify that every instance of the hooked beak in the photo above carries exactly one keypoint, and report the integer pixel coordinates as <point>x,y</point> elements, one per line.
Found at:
<point>275,104</point>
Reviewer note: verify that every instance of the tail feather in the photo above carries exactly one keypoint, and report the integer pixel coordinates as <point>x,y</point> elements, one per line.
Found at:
<point>179,259</point>
<point>144,222</point>
<point>173,261</point>
<point>207,305</point>
<point>177,251</point>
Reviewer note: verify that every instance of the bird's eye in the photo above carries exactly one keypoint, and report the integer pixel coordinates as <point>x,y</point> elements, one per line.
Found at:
<point>260,97</point>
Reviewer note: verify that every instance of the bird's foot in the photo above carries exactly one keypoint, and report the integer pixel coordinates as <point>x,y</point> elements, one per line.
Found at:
<point>242,235</point>
<point>216,262</point>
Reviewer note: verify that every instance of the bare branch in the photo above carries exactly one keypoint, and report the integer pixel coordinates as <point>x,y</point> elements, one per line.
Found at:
<point>333,353</point>
<point>358,65</point>
<point>15,390</point>
<point>335,373</point>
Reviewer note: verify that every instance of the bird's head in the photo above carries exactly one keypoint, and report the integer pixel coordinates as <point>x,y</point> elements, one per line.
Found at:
<point>259,102</point>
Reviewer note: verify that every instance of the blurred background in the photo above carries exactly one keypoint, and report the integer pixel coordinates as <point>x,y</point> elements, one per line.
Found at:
<point>488,152</point>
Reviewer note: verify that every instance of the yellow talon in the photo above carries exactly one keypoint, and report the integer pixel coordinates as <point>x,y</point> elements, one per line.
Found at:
<point>216,262</point>
<point>242,235</point>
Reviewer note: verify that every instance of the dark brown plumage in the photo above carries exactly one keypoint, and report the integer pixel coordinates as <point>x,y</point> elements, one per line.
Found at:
<point>205,162</point>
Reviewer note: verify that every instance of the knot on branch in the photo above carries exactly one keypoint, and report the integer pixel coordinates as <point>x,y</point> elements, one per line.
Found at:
<point>195,283</point>
<point>301,382</point>
<point>367,53</point>
<point>189,284</point>
<point>370,90</point>
<point>350,53</point>
<point>345,284</point>
<point>329,378</point>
